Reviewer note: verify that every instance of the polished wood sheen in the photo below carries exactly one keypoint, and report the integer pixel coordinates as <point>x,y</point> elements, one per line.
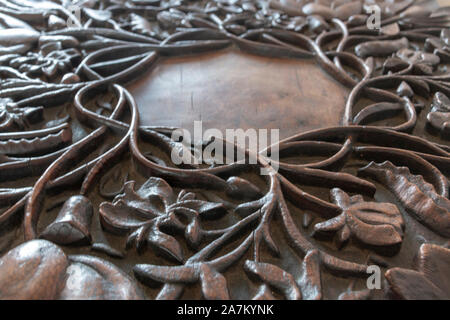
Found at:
<point>352,203</point>
<point>230,89</point>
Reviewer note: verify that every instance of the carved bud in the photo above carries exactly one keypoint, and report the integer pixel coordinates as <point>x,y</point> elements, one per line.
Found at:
<point>70,77</point>
<point>72,223</point>
<point>242,189</point>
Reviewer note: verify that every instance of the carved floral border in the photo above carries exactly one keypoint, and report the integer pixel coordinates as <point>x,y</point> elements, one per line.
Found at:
<point>398,67</point>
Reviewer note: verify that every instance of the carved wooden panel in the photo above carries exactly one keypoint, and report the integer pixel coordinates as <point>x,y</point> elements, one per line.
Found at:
<point>92,205</point>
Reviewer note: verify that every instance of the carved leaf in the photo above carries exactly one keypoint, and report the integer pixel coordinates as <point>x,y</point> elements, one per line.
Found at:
<point>380,48</point>
<point>145,214</point>
<point>156,187</point>
<point>149,273</point>
<point>422,69</point>
<point>184,195</point>
<point>378,224</point>
<point>247,208</point>
<point>171,18</point>
<point>415,57</point>
<point>317,24</point>
<point>15,36</point>
<point>318,9</point>
<point>204,208</point>
<point>37,3</point>
<point>10,22</point>
<point>98,15</point>
<point>214,284</point>
<point>434,262</point>
<point>37,144</point>
<point>264,293</point>
<point>310,282</point>
<point>417,196</point>
<point>132,209</point>
<point>355,295</point>
<point>275,277</point>
<point>412,285</point>
<point>138,238</point>
<point>390,29</point>
<point>193,233</point>
<point>170,221</point>
<point>240,188</point>
<point>349,9</point>
<point>439,116</point>
<point>12,117</point>
<point>140,201</point>
<point>118,217</point>
<point>404,90</point>
<point>141,25</point>
<point>415,11</point>
<point>394,65</point>
<point>430,282</point>
<point>170,291</point>
<point>165,243</point>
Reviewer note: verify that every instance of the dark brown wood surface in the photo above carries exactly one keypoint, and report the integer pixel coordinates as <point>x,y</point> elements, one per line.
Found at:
<point>230,89</point>
<point>94,206</point>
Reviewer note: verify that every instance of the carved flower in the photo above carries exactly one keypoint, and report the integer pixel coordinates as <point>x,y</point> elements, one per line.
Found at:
<point>439,116</point>
<point>151,211</point>
<point>12,117</point>
<point>50,62</point>
<point>378,224</point>
<point>167,20</point>
<point>431,281</point>
<point>421,62</point>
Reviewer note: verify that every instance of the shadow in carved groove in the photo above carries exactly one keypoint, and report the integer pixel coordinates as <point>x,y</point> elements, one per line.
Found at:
<point>67,121</point>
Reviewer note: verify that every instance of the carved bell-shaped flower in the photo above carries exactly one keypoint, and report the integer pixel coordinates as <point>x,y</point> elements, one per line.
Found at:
<point>72,224</point>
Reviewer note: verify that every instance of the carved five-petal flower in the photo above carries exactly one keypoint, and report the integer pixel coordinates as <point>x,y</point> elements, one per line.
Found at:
<point>151,211</point>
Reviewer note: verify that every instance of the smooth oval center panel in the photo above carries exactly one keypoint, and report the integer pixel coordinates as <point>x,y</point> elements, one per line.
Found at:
<point>230,89</point>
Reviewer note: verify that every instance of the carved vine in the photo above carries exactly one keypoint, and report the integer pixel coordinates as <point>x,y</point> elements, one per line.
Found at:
<point>44,63</point>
